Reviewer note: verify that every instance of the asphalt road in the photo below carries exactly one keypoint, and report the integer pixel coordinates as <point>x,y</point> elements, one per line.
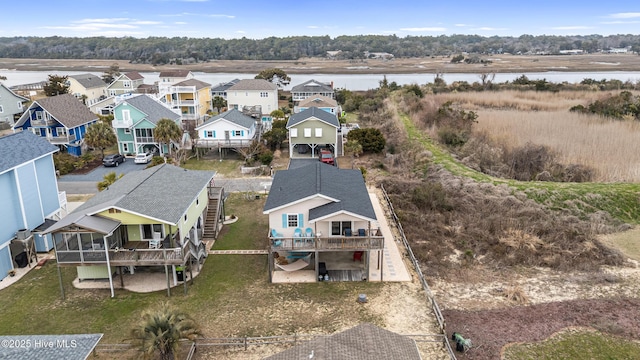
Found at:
<point>88,183</point>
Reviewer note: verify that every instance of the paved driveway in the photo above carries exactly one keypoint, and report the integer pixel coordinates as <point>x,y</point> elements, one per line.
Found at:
<point>98,173</point>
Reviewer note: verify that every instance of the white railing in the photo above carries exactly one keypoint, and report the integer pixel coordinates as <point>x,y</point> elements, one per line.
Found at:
<point>121,123</point>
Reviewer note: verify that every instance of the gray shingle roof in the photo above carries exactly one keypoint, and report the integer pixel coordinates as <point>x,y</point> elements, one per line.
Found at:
<point>65,108</point>
<point>193,82</point>
<point>18,148</point>
<point>312,86</point>
<point>224,86</point>
<point>154,110</point>
<point>346,186</point>
<point>234,116</point>
<point>253,84</point>
<point>162,192</point>
<point>49,347</point>
<point>319,114</point>
<point>89,81</point>
<point>318,101</point>
<point>363,342</point>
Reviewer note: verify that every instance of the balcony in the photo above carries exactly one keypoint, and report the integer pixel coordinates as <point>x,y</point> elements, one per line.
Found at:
<point>56,140</point>
<point>42,122</point>
<point>137,253</point>
<point>117,123</point>
<point>326,243</point>
<point>145,140</point>
<point>182,102</point>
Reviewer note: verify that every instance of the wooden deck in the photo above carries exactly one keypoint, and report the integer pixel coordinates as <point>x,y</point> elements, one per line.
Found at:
<point>137,253</point>
<point>347,243</point>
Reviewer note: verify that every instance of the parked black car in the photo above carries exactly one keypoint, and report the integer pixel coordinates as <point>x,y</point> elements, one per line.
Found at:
<point>113,160</point>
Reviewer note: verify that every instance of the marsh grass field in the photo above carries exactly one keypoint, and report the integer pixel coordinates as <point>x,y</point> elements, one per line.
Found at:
<point>515,118</point>
<point>502,63</point>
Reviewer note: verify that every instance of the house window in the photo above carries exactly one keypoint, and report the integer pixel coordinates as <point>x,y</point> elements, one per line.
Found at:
<point>112,92</point>
<point>126,115</point>
<point>264,94</point>
<point>19,104</point>
<point>338,227</point>
<point>208,134</point>
<point>307,132</point>
<point>237,133</point>
<point>125,148</point>
<point>126,83</point>
<point>318,132</point>
<point>39,115</point>
<point>185,217</point>
<point>197,201</point>
<point>61,131</point>
<point>127,131</point>
<point>293,132</point>
<point>292,220</point>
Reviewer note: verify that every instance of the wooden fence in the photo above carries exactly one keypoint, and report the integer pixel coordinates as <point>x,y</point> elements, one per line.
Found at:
<point>430,298</point>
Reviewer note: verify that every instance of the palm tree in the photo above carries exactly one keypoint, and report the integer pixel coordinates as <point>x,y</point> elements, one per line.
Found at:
<point>161,330</point>
<point>167,131</point>
<point>100,135</point>
<point>108,179</point>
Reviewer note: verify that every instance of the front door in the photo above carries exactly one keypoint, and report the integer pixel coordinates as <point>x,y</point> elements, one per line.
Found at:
<point>226,135</point>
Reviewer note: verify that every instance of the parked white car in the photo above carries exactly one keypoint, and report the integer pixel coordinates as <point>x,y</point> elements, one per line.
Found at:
<point>143,158</point>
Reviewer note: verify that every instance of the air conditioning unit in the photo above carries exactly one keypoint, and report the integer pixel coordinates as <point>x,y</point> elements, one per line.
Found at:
<point>23,234</point>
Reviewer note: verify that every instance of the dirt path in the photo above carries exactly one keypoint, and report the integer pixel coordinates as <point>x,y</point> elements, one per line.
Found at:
<point>478,309</point>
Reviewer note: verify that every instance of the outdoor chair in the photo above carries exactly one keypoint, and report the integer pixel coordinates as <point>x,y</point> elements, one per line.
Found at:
<point>276,235</point>
<point>347,232</point>
<point>155,244</point>
<point>361,232</point>
<point>297,235</point>
<point>308,233</point>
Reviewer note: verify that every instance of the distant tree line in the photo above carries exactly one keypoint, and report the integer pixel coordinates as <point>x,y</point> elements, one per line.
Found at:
<point>179,50</point>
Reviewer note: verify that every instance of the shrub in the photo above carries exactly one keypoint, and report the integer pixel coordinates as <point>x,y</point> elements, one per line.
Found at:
<point>371,139</point>
<point>265,157</point>
<point>64,162</point>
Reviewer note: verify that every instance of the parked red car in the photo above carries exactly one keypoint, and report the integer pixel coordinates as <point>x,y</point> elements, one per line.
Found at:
<point>326,157</point>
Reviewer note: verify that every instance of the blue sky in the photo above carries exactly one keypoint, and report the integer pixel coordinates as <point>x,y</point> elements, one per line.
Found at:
<point>259,19</point>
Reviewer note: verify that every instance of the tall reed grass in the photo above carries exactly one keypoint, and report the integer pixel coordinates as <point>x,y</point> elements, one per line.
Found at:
<point>610,147</point>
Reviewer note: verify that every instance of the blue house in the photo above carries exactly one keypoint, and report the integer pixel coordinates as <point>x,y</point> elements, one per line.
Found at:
<point>62,120</point>
<point>30,197</point>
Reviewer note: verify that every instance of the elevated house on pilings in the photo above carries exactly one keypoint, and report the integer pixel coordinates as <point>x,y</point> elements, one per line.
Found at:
<point>322,225</point>
<point>162,217</point>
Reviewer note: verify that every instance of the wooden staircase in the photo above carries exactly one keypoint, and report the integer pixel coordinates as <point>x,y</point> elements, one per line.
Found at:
<point>214,212</point>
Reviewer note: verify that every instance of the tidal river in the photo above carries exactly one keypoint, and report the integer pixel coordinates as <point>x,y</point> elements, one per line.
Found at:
<point>354,82</point>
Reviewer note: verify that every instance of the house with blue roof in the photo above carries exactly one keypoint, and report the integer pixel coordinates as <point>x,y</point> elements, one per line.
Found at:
<point>62,120</point>
<point>30,198</point>
<point>231,128</point>
<point>135,119</point>
<point>317,214</point>
<point>311,130</point>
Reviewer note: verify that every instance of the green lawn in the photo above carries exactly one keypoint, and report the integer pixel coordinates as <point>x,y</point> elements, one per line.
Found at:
<point>576,345</point>
<point>230,297</point>
<point>226,167</point>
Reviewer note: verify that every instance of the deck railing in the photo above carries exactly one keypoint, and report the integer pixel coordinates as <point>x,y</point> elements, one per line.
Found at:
<point>126,256</point>
<point>326,243</point>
